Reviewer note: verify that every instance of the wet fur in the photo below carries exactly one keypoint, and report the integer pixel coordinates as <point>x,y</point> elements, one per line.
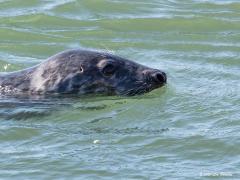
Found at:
<point>79,72</point>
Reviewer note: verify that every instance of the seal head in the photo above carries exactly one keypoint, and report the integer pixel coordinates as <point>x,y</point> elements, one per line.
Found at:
<point>86,72</point>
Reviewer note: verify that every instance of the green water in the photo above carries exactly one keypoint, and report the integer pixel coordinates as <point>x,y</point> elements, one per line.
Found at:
<point>189,129</point>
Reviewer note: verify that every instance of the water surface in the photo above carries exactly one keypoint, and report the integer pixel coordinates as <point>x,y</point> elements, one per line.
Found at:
<point>189,129</point>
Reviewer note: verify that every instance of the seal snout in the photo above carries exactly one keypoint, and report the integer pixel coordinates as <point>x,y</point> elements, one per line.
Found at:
<point>155,76</point>
<point>159,77</point>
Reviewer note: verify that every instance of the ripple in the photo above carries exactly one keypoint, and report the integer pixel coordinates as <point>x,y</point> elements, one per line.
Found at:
<point>189,127</point>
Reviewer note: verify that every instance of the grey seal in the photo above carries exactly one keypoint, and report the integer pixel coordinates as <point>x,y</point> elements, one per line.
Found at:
<point>83,72</point>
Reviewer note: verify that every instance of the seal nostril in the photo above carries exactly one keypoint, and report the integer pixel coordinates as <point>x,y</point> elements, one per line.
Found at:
<point>165,76</point>
<point>160,77</point>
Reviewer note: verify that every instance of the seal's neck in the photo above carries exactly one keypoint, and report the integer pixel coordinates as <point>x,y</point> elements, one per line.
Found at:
<point>18,80</point>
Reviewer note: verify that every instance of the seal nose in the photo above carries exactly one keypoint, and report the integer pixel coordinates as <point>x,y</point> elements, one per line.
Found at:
<point>159,77</point>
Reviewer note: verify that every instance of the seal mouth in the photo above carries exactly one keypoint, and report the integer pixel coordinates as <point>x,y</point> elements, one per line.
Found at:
<point>142,88</point>
<point>151,79</point>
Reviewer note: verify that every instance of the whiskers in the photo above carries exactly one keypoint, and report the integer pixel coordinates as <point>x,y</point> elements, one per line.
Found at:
<point>141,87</point>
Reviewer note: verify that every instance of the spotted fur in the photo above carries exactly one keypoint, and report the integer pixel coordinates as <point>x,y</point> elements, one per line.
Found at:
<point>82,72</point>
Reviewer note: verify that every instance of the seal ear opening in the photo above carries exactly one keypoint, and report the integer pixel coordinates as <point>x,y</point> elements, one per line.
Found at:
<point>81,69</point>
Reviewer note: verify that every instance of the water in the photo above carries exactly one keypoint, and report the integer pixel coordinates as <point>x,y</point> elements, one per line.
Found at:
<point>186,130</point>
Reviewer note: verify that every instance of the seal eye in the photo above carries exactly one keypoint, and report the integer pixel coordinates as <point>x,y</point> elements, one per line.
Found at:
<point>108,70</point>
